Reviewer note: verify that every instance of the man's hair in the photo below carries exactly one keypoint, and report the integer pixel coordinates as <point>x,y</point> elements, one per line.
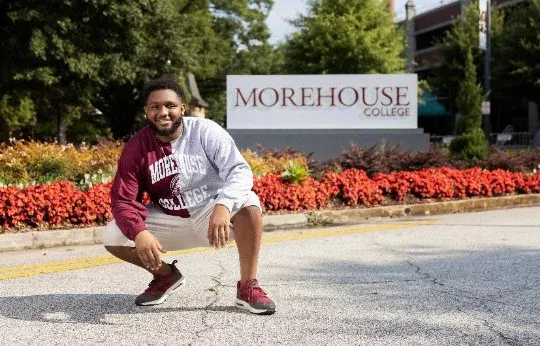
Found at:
<point>165,82</point>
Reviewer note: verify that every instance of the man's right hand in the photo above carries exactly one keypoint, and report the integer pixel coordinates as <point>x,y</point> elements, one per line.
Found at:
<point>149,250</point>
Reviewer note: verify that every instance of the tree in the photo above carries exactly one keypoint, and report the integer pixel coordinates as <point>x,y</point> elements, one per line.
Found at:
<point>16,112</point>
<point>63,53</point>
<point>210,39</point>
<point>174,37</point>
<point>470,142</point>
<point>240,42</point>
<point>345,36</point>
<point>83,63</point>
<point>517,53</point>
<point>454,47</point>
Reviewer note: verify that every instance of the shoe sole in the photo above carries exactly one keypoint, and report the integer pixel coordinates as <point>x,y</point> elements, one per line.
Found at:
<point>240,304</point>
<point>164,297</point>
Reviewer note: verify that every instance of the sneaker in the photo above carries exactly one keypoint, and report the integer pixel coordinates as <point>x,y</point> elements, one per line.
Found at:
<point>252,298</point>
<point>161,287</point>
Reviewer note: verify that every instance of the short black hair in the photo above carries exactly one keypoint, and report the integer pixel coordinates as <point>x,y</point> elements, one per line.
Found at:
<point>165,82</point>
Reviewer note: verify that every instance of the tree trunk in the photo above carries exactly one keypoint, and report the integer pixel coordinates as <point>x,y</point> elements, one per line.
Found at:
<point>60,129</point>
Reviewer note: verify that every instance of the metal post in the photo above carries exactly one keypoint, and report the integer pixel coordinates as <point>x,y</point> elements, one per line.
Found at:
<point>411,35</point>
<point>487,73</point>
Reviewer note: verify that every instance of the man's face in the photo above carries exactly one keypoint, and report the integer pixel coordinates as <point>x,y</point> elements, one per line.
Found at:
<point>164,111</point>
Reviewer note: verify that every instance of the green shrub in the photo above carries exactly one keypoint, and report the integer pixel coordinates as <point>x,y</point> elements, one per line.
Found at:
<point>469,146</point>
<point>268,161</point>
<point>48,169</point>
<point>470,143</point>
<point>23,162</point>
<point>295,173</point>
<point>88,180</point>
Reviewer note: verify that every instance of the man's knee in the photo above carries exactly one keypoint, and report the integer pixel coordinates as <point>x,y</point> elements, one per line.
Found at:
<point>250,214</point>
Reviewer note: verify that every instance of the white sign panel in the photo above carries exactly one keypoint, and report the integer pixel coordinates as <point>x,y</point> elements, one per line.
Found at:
<point>322,102</point>
<point>482,23</point>
<point>486,107</point>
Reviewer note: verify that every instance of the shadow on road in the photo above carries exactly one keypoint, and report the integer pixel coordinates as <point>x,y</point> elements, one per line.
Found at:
<point>84,308</point>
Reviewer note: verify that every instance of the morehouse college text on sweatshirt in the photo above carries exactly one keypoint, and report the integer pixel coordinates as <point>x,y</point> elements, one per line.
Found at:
<point>182,177</point>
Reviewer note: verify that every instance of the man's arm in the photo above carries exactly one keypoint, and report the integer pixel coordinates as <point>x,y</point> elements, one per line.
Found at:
<point>238,181</point>
<point>128,211</point>
<point>231,166</point>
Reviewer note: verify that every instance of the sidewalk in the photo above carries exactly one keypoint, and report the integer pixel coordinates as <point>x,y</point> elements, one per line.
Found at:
<point>92,235</point>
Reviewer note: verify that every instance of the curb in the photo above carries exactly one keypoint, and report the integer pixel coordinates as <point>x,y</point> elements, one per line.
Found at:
<point>92,235</point>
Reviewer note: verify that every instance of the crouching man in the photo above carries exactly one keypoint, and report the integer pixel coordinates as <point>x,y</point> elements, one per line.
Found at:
<point>199,184</point>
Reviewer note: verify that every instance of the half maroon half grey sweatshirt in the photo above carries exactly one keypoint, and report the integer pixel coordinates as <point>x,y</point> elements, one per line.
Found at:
<point>182,177</point>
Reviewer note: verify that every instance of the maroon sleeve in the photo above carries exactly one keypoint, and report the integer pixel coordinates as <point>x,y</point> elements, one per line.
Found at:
<point>126,192</point>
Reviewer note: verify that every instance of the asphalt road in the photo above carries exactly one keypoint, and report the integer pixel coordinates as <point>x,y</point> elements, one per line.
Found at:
<point>463,279</point>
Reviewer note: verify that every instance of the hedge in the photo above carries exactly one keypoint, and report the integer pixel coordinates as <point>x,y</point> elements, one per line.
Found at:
<point>62,204</point>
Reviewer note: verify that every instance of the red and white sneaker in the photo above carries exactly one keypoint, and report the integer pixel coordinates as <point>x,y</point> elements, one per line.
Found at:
<point>161,287</point>
<point>252,298</point>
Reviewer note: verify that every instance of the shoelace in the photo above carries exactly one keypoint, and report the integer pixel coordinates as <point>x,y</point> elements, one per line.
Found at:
<point>153,286</point>
<point>254,286</point>
<point>260,290</point>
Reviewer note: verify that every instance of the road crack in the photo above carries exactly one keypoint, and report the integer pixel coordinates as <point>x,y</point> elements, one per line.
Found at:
<point>215,290</point>
<point>482,303</point>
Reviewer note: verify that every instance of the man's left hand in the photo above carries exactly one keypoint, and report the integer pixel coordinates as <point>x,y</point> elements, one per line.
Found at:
<point>218,229</point>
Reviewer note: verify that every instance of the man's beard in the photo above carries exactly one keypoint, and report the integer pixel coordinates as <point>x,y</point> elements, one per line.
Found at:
<point>166,132</point>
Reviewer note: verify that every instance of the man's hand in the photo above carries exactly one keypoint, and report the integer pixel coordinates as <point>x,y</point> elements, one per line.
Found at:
<point>218,228</point>
<point>149,250</point>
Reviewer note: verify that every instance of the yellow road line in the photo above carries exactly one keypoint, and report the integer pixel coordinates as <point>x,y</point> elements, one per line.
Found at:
<point>88,262</point>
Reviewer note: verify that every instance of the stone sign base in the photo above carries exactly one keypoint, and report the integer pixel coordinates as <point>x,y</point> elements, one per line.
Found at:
<point>329,143</point>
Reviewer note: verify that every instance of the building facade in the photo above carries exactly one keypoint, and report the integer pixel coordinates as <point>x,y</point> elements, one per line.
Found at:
<point>424,28</point>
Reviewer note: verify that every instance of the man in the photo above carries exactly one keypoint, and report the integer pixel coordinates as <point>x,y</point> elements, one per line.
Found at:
<point>199,183</point>
<point>197,107</point>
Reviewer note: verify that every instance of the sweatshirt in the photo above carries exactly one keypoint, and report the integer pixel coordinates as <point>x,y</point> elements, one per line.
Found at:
<point>182,177</point>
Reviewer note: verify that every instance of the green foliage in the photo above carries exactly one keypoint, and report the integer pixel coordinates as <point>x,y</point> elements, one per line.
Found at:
<point>469,145</point>
<point>24,162</point>
<point>470,142</point>
<point>15,113</point>
<point>273,161</point>
<point>319,219</point>
<point>450,70</point>
<point>238,44</point>
<point>517,48</point>
<point>48,169</point>
<point>88,180</point>
<point>469,99</point>
<point>295,173</point>
<point>76,56</point>
<point>345,36</point>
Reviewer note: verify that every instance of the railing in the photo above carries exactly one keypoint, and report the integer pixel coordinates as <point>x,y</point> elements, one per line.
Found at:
<point>510,140</point>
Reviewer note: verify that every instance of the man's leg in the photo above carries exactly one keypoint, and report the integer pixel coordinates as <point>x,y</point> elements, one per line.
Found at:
<point>247,223</point>
<point>165,280</point>
<point>250,296</point>
<point>129,254</point>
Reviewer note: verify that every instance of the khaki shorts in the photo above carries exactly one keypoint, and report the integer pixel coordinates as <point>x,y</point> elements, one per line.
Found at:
<point>173,232</point>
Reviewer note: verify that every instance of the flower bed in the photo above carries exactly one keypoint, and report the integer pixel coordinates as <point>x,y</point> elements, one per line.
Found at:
<point>62,204</point>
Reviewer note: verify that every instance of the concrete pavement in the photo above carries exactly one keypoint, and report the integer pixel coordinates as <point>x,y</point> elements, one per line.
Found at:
<point>456,279</point>
<point>92,235</point>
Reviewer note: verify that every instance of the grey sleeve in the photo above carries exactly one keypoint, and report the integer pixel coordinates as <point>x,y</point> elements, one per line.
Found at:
<point>230,164</point>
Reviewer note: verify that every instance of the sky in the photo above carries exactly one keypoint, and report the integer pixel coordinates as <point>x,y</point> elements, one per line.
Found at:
<point>290,9</point>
